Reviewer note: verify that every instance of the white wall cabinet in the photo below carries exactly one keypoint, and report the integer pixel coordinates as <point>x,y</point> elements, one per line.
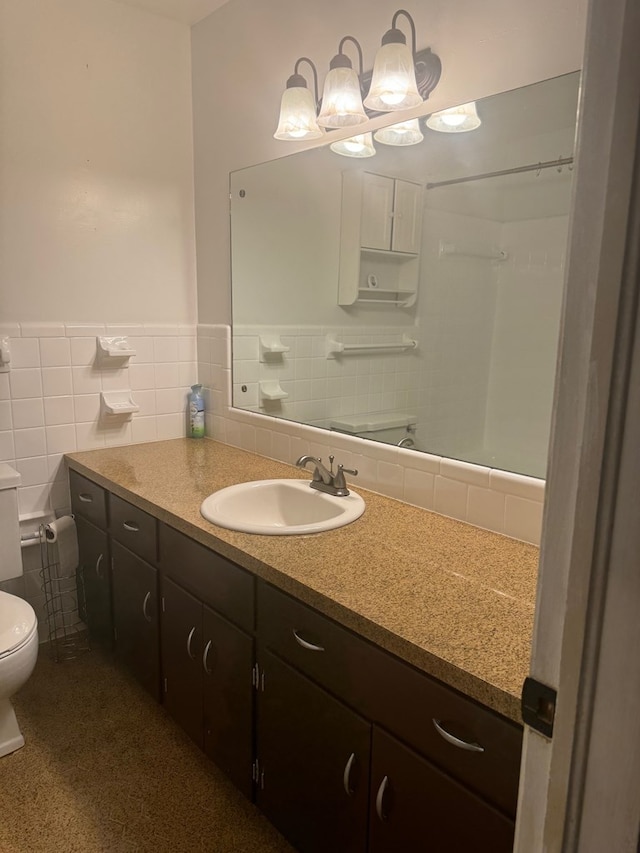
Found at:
<point>380,239</point>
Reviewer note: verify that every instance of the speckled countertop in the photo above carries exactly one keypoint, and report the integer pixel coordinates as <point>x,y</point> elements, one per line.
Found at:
<point>455,601</point>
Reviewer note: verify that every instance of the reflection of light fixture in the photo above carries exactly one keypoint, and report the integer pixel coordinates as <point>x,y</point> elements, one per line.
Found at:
<point>402,133</point>
<point>341,98</point>
<point>393,82</point>
<point>298,107</point>
<point>355,146</point>
<point>401,78</point>
<point>455,120</point>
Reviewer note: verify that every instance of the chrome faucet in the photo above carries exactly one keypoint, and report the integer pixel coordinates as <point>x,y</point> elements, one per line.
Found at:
<point>324,480</point>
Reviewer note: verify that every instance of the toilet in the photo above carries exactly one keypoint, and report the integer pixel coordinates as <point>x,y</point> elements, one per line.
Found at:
<point>18,623</point>
<point>389,427</point>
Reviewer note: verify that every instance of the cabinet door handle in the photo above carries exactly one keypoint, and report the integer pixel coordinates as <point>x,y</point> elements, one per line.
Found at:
<point>131,526</point>
<point>85,498</point>
<point>144,606</point>
<point>205,658</point>
<point>380,798</point>
<point>99,573</point>
<point>456,741</point>
<point>306,645</point>
<point>346,776</point>
<point>189,639</point>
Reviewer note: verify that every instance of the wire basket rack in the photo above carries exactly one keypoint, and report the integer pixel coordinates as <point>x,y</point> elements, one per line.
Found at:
<point>67,634</point>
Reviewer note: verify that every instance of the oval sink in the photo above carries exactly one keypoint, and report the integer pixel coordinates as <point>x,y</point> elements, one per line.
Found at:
<point>280,508</point>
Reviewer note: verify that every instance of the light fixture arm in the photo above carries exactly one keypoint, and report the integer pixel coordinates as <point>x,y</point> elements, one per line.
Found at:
<point>396,35</point>
<point>297,80</point>
<point>342,60</point>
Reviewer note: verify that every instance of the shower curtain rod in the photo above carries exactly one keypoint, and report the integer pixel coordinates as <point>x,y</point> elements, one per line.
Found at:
<point>516,170</point>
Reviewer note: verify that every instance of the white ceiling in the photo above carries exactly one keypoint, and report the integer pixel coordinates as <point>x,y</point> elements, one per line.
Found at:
<point>186,11</point>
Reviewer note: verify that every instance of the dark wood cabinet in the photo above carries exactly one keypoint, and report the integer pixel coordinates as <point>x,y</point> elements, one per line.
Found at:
<point>135,616</point>
<point>415,807</point>
<point>94,582</point>
<point>312,770</point>
<point>207,666</point>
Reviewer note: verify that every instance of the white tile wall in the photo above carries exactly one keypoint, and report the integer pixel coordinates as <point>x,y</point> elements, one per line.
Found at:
<point>50,399</point>
<point>496,500</point>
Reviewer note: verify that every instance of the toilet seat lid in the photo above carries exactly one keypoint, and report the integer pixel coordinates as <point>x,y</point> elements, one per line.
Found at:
<point>17,622</point>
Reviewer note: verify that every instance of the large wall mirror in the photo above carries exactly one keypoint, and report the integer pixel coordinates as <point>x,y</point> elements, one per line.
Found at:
<point>414,296</point>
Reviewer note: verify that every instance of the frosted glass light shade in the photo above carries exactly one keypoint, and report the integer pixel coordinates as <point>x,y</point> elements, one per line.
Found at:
<point>341,99</point>
<point>402,133</point>
<point>455,120</point>
<point>298,115</point>
<point>393,82</point>
<point>356,146</point>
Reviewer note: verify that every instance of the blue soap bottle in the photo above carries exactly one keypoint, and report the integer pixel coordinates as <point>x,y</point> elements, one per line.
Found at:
<point>196,412</point>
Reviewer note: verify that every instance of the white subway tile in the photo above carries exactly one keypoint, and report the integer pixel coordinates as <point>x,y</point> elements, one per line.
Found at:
<point>187,348</point>
<point>86,330</point>
<point>58,410</point>
<point>147,402</point>
<point>263,440</point>
<point>55,352</point>
<point>167,376</point>
<point>10,330</point>
<point>127,330</point>
<point>27,413</point>
<point>6,421</point>
<point>86,380</point>
<point>5,391</point>
<point>61,438</point>
<point>170,400</point>
<point>60,497</point>
<point>143,429</point>
<point>165,349</point>
<point>248,438</point>
<point>523,519</point>
<point>25,352</point>
<point>187,374</point>
<point>116,435</point>
<point>171,426</point>
<point>142,376</point>
<point>26,382</point>
<point>56,467</point>
<point>420,461</point>
<point>29,442</point>
<point>518,485</point>
<point>391,479</point>
<point>162,329</point>
<point>451,497</point>
<point>34,499</point>
<point>280,446</point>
<point>57,381</point>
<point>419,488</point>
<point>115,379</point>
<point>88,436</point>
<point>486,508</point>
<point>42,330</point>
<point>144,350</point>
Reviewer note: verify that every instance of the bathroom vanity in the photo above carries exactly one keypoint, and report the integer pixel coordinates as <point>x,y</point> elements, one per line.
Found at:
<point>361,685</point>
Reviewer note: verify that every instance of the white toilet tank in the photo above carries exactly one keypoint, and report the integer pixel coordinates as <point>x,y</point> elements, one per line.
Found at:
<point>390,427</point>
<point>10,555</point>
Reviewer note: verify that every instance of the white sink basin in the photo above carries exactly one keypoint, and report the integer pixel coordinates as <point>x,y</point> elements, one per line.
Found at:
<point>280,508</point>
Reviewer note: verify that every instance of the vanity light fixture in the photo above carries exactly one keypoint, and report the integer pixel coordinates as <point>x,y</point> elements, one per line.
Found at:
<point>342,98</point>
<point>456,119</point>
<point>393,82</point>
<point>298,107</point>
<point>355,146</point>
<point>402,133</point>
<point>401,78</point>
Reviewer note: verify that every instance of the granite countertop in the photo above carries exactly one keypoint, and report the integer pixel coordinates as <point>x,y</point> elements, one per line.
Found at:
<point>453,600</point>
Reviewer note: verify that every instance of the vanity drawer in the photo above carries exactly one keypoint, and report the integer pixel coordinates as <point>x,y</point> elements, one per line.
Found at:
<point>88,499</point>
<point>398,697</point>
<point>216,581</point>
<point>133,528</point>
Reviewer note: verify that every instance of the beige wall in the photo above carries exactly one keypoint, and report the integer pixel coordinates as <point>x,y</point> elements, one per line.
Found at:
<point>96,175</point>
<point>244,52</point>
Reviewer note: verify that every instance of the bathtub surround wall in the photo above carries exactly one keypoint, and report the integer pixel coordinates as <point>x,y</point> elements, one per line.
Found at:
<point>496,500</point>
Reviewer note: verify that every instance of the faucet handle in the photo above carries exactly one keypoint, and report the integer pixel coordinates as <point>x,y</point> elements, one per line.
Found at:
<point>339,480</point>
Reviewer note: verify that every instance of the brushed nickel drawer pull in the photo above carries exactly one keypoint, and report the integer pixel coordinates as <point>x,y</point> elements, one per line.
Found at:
<point>306,645</point>
<point>346,776</point>
<point>189,639</point>
<point>144,606</point>
<point>99,572</point>
<point>380,798</point>
<point>131,526</point>
<point>456,741</point>
<point>85,498</point>
<point>205,658</point>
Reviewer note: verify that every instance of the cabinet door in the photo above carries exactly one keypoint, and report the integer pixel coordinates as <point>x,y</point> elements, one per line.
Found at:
<point>415,807</point>
<point>135,616</point>
<point>376,213</point>
<point>182,673</point>
<point>313,762</point>
<point>227,662</point>
<point>94,582</point>
<point>407,217</point>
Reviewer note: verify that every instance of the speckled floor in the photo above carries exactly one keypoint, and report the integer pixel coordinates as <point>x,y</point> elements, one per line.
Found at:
<point>105,769</point>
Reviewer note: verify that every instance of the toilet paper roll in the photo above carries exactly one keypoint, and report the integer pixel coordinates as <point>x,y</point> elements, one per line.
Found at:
<point>62,532</point>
